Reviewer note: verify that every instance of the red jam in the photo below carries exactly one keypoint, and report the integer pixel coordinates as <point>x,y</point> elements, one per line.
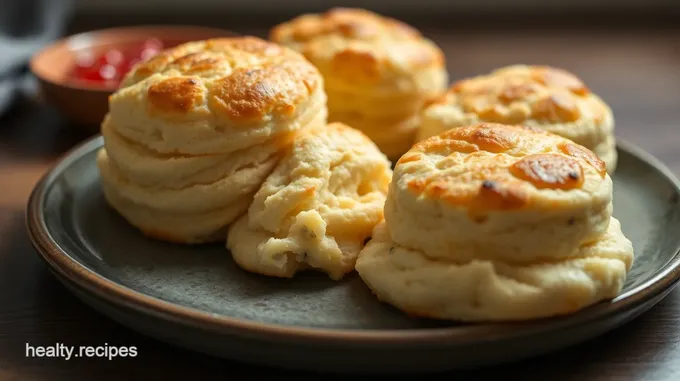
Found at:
<point>108,68</point>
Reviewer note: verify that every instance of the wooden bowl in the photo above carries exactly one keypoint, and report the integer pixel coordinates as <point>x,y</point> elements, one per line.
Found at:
<point>85,103</point>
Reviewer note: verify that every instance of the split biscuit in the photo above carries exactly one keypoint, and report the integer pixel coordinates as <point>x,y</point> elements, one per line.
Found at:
<point>316,208</point>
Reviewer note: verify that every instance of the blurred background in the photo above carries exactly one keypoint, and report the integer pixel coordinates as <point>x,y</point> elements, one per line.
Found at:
<point>457,14</point>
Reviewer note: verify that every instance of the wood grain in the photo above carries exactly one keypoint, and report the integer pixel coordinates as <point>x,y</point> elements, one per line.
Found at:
<point>636,72</point>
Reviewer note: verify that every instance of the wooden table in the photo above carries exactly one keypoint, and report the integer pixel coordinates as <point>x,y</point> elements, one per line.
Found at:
<point>638,73</point>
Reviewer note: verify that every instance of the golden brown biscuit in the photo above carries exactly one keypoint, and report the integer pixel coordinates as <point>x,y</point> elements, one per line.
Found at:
<point>375,68</point>
<point>488,290</point>
<point>495,222</point>
<point>191,134</point>
<point>218,96</point>
<point>316,208</point>
<point>539,96</point>
<point>498,192</point>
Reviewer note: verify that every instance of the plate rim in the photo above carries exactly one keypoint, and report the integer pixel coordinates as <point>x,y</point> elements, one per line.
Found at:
<point>57,259</point>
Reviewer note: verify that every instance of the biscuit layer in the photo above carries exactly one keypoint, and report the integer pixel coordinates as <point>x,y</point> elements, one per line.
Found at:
<point>197,213</point>
<point>487,290</point>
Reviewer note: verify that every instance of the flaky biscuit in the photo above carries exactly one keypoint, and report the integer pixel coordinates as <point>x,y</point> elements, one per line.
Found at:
<point>538,96</point>
<point>316,208</point>
<point>488,290</point>
<point>373,65</point>
<point>498,192</point>
<point>218,96</point>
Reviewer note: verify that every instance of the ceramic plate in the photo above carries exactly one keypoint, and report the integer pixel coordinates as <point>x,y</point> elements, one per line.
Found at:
<point>196,297</point>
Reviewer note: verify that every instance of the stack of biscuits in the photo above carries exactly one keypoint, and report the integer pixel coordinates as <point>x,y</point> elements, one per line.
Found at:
<point>378,72</point>
<point>497,222</point>
<point>538,96</point>
<point>191,134</point>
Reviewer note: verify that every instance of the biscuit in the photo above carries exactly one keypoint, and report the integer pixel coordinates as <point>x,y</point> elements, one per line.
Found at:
<point>537,96</point>
<point>498,192</point>
<point>374,67</point>
<point>316,208</point>
<point>488,290</point>
<point>192,133</point>
<point>218,96</point>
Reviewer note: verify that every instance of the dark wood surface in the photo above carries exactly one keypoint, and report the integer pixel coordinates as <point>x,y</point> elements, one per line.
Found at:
<point>637,72</point>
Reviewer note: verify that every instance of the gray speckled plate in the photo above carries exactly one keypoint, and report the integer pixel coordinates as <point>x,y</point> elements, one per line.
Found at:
<point>198,298</point>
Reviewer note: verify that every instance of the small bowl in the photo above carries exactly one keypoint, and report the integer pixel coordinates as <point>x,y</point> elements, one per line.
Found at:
<point>86,103</point>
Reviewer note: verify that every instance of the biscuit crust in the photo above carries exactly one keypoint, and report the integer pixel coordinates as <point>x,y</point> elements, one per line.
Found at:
<point>359,47</point>
<point>217,96</point>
